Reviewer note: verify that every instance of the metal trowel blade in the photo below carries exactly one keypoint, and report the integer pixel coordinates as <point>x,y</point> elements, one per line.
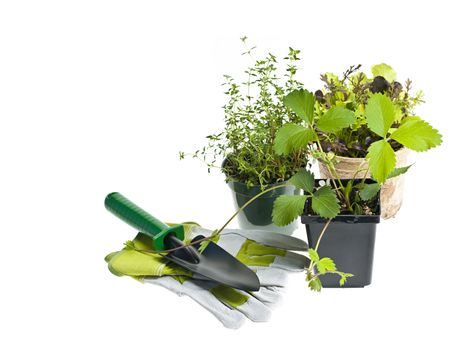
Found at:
<point>218,265</point>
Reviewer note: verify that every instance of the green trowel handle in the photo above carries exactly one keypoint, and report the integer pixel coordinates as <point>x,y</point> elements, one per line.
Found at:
<point>138,218</point>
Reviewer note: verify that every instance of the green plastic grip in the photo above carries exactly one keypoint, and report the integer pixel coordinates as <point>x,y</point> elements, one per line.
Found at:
<point>138,218</point>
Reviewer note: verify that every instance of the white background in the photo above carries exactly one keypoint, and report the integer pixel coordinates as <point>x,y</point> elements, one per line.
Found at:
<point>99,96</point>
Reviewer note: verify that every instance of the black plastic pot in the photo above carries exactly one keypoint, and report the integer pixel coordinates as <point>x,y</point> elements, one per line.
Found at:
<point>349,240</point>
<point>258,215</point>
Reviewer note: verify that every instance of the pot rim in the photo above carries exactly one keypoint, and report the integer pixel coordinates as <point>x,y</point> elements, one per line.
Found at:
<point>241,189</point>
<point>269,185</point>
<point>400,151</point>
<point>344,218</point>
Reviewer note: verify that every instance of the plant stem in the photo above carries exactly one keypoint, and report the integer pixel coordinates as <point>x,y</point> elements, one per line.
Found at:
<point>318,241</point>
<point>359,171</point>
<point>246,204</point>
<point>319,274</point>
<point>330,167</point>
<point>366,173</point>
<point>217,232</point>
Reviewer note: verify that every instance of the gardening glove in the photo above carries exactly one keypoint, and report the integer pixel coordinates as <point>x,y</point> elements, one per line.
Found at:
<point>230,306</point>
<point>245,246</point>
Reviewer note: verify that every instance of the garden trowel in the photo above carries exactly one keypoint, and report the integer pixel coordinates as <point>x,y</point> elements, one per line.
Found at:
<point>213,262</point>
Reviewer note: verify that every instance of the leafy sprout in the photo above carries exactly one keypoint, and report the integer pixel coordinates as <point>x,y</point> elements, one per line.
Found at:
<point>379,115</point>
<point>353,92</point>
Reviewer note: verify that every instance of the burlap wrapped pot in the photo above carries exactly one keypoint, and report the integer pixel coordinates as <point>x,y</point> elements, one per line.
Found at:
<point>391,191</point>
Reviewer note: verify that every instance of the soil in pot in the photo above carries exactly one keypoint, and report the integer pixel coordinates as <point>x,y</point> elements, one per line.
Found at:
<point>349,240</point>
<point>258,215</point>
<point>391,191</point>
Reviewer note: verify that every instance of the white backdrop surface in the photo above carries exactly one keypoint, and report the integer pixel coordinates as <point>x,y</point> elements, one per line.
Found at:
<point>99,96</point>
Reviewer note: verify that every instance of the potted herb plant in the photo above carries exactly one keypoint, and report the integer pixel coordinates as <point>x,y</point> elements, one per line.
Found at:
<point>350,145</point>
<point>244,150</point>
<point>347,209</point>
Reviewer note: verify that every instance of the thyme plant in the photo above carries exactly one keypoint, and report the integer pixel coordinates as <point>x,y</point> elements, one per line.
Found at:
<point>254,111</point>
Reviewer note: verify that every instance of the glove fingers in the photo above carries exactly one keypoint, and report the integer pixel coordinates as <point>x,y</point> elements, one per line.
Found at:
<point>272,277</point>
<point>254,235</point>
<point>239,300</point>
<point>252,253</point>
<point>268,296</point>
<point>228,317</point>
<point>255,310</point>
<point>291,262</point>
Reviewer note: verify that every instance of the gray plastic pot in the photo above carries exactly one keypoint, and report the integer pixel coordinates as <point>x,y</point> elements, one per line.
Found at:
<point>258,215</point>
<point>349,240</point>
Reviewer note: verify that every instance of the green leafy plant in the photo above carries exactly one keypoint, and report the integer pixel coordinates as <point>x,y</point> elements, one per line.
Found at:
<point>354,91</point>
<point>245,149</point>
<point>381,117</point>
<point>322,266</point>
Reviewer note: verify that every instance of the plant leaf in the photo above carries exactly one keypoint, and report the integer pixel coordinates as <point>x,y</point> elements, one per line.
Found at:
<point>380,114</point>
<point>325,203</point>
<point>313,255</point>
<point>292,137</point>
<point>418,135</point>
<point>303,180</point>
<point>315,284</point>
<point>385,71</point>
<point>344,277</point>
<point>287,208</point>
<point>335,119</point>
<point>381,158</point>
<point>326,264</point>
<point>301,140</point>
<point>369,191</point>
<point>302,103</point>
<point>348,188</point>
<point>398,171</point>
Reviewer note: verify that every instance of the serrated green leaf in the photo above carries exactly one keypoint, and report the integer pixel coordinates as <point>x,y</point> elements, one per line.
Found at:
<point>325,203</point>
<point>335,119</point>
<point>398,171</point>
<point>301,140</point>
<point>326,264</point>
<point>287,208</point>
<point>315,284</point>
<point>418,135</point>
<point>303,180</point>
<point>385,71</point>
<point>344,277</point>
<point>407,119</point>
<point>381,158</point>
<point>313,255</point>
<point>369,191</point>
<point>380,114</point>
<point>292,137</point>
<point>302,103</point>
